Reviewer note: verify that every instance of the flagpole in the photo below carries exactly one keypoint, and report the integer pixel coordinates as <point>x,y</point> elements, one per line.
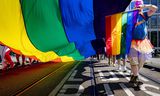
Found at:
<point>123,12</point>
<point>130,10</point>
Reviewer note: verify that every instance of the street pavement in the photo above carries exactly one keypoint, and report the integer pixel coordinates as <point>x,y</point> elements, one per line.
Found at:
<point>154,62</point>
<point>100,79</point>
<point>39,79</point>
<point>85,78</point>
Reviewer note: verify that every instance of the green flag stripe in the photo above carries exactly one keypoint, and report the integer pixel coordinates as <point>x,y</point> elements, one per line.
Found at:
<point>44,27</point>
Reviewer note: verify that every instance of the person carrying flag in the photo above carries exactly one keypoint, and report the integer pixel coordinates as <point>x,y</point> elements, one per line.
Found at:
<point>141,47</point>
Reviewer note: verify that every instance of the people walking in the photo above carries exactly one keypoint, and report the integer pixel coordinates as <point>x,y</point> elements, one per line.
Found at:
<point>6,58</point>
<point>121,66</point>
<point>18,60</point>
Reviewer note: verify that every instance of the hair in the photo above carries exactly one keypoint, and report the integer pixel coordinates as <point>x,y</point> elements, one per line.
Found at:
<point>136,3</point>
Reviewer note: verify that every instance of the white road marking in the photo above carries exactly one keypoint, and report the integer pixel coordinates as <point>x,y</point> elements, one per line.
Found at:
<point>124,75</point>
<point>115,78</point>
<point>108,90</point>
<point>58,87</point>
<point>143,87</point>
<point>72,86</point>
<point>143,78</point>
<point>72,77</point>
<point>128,92</point>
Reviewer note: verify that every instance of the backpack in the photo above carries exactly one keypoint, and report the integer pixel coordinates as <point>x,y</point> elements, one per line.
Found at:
<point>140,30</point>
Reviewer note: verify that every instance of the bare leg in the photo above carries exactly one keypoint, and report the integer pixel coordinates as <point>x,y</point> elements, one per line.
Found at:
<point>114,60</point>
<point>23,59</point>
<point>135,70</point>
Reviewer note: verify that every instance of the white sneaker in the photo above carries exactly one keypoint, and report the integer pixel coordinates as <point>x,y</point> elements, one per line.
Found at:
<point>119,68</point>
<point>114,65</point>
<point>124,68</point>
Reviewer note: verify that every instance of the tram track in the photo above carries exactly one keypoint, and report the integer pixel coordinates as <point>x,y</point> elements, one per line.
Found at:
<point>36,82</point>
<point>60,85</point>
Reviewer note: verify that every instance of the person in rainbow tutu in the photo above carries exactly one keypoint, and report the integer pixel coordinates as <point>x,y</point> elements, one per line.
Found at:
<point>141,47</point>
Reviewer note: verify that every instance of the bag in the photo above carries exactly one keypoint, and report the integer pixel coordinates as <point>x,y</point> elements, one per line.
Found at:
<point>140,30</point>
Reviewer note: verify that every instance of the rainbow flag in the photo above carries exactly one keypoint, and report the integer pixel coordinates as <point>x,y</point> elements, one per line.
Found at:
<point>119,28</point>
<point>54,30</point>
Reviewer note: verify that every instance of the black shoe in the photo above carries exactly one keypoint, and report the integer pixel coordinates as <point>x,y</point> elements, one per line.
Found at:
<point>132,79</point>
<point>125,71</point>
<point>17,64</point>
<point>136,88</point>
<point>135,81</point>
<point>140,83</point>
<point>23,64</point>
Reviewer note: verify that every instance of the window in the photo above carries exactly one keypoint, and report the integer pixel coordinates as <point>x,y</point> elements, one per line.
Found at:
<point>154,2</point>
<point>154,21</point>
<point>154,38</point>
<point>146,1</point>
<point>158,6</point>
<point>158,22</point>
<point>159,39</point>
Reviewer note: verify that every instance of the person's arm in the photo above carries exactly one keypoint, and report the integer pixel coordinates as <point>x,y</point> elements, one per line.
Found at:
<point>152,8</point>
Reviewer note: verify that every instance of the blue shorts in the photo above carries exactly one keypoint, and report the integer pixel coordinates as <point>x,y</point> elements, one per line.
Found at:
<point>123,56</point>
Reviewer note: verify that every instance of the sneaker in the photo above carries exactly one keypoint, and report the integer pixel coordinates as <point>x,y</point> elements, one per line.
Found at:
<point>124,68</point>
<point>114,65</point>
<point>23,64</point>
<point>119,68</point>
<point>17,64</point>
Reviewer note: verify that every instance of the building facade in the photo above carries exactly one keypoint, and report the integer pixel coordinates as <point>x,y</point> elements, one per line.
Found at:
<point>154,25</point>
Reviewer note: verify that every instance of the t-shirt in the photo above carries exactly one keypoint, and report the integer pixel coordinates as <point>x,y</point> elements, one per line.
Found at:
<point>140,31</point>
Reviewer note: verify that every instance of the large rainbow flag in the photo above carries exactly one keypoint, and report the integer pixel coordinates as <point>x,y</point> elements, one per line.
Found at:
<point>50,30</point>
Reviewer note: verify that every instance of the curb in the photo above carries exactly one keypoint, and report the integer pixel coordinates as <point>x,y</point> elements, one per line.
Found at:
<point>151,64</point>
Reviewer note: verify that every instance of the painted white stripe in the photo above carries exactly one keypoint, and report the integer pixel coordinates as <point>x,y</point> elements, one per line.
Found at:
<point>100,74</point>
<point>72,86</point>
<point>72,77</point>
<point>115,78</point>
<point>143,78</point>
<point>92,75</point>
<point>84,85</point>
<point>144,86</point>
<point>124,75</point>
<point>92,80</point>
<point>108,90</point>
<point>128,92</point>
<point>68,94</point>
<point>58,87</point>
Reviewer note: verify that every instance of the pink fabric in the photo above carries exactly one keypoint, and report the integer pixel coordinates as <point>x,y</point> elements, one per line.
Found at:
<point>143,46</point>
<point>140,50</point>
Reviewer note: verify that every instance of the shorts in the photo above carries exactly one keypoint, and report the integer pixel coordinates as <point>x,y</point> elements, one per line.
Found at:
<point>137,58</point>
<point>140,51</point>
<point>123,56</point>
